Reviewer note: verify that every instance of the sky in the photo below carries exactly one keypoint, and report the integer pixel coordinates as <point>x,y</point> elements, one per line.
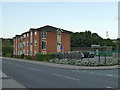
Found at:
<point>97,17</point>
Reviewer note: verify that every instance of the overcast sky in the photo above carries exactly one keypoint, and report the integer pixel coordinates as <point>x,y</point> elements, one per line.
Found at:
<point>98,17</point>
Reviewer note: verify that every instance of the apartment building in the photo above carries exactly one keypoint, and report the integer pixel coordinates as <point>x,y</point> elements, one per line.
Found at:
<point>46,39</point>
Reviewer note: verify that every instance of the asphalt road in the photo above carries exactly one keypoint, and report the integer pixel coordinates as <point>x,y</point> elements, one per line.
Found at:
<point>37,76</point>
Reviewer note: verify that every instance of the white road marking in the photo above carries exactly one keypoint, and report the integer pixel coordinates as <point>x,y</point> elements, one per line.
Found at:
<point>34,69</point>
<point>19,65</point>
<point>65,76</point>
<point>91,72</point>
<point>83,71</point>
<point>108,87</point>
<point>109,75</point>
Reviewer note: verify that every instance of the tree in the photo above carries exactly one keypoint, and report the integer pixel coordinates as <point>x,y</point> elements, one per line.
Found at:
<point>87,38</point>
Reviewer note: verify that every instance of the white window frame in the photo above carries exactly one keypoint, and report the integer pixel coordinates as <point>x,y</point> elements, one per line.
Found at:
<point>35,33</point>
<point>46,45</point>
<point>24,52</point>
<point>31,33</point>
<point>27,43</point>
<point>43,35</point>
<point>59,33</point>
<point>27,52</point>
<point>27,34</point>
<point>44,52</point>
<point>35,43</point>
<point>35,53</point>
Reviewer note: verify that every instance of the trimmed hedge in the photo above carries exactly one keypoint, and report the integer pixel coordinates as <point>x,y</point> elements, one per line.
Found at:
<point>8,55</point>
<point>44,57</point>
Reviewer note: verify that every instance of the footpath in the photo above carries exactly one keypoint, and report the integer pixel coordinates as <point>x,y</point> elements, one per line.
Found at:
<point>8,82</point>
<point>63,66</point>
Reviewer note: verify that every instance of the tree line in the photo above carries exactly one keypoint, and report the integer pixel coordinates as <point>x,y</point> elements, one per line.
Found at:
<point>87,38</point>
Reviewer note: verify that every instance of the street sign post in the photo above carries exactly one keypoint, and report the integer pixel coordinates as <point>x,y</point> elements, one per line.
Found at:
<point>61,47</point>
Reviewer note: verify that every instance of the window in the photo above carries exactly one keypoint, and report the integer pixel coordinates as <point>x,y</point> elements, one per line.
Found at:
<point>27,52</point>
<point>58,33</point>
<point>27,43</point>
<point>35,32</point>
<point>43,52</point>
<point>21,39</point>
<point>24,36</point>
<point>43,34</point>
<point>31,53</point>
<point>23,44</point>
<point>27,34</point>
<point>35,53</point>
<point>20,53</point>
<point>24,52</point>
<point>58,43</point>
<point>31,33</point>
<point>43,44</point>
<point>35,43</point>
<point>20,46</point>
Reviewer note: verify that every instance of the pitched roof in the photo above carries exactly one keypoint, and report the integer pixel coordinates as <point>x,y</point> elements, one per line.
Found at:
<point>50,28</point>
<point>46,28</point>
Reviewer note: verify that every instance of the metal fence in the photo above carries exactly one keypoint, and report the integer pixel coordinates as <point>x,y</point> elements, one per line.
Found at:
<point>100,56</point>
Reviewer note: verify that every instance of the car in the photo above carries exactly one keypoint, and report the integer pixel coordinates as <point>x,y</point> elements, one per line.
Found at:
<point>88,54</point>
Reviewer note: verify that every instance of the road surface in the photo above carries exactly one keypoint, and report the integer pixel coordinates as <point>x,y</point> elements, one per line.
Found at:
<point>37,76</point>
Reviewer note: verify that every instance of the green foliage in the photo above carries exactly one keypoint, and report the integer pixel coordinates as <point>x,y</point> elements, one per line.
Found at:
<point>92,63</point>
<point>8,55</point>
<point>78,63</point>
<point>72,62</point>
<point>87,38</point>
<point>7,46</point>
<point>22,56</point>
<point>64,61</point>
<point>29,57</point>
<point>44,57</point>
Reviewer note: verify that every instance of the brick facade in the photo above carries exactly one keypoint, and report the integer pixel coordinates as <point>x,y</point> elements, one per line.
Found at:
<point>41,40</point>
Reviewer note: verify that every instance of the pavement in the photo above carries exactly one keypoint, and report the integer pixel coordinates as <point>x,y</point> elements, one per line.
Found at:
<point>9,82</point>
<point>63,66</point>
<point>41,76</point>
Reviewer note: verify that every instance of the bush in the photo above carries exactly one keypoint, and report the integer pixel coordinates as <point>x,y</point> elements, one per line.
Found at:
<point>92,63</point>
<point>8,55</point>
<point>57,60</point>
<point>29,57</point>
<point>22,56</point>
<point>78,63</point>
<point>85,63</point>
<point>72,62</point>
<point>44,57</point>
<point>64,61</point>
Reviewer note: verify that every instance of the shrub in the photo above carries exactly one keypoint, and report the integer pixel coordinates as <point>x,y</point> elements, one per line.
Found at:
<point>92,63</point>
<point>44,57</point>
<point>22,56</point>
<point>72,62</point>
<point>64,61</point>
<point>8,55</point>
<point>85,63</point>
<point>78,63</point>
<point>25,57</point>
<point>57,60</point>
<point>29,57</point>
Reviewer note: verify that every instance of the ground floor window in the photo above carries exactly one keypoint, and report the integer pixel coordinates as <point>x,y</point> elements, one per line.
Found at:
<point>43,44</point>
<point>44,52</point>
